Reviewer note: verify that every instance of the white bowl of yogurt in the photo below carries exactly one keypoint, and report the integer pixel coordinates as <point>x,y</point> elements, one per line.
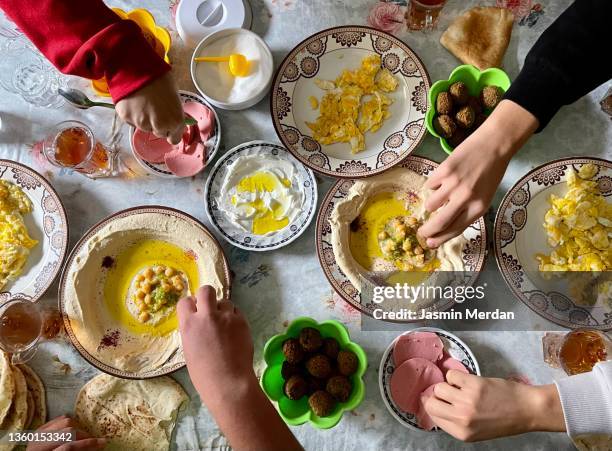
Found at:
<point>214,80</point>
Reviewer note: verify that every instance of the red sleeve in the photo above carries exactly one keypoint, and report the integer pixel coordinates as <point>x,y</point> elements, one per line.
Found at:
<point>86,38</point>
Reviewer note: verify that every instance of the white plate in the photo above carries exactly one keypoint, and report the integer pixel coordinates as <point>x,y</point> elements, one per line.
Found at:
<point>161,170</point>
<point>474,252</point>
<point>47,223</point>
<point>235,235</point>
<point>519,235</point>
<point>452,344</point>
<point>324,56</point>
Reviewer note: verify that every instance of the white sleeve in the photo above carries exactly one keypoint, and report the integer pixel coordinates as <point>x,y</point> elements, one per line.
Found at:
<point>587,401</point>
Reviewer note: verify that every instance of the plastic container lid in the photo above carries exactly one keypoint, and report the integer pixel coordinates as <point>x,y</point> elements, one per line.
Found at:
<point>196,19</point>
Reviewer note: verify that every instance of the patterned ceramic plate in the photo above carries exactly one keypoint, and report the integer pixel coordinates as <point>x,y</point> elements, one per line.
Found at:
<point>47,223</point>
<point>324,56</point>
<point>519,235</point>
<point>236,235</point>
<point>162,211</point>
<point>452,344</point>
<point>161,170</point>
<point>474,253</point>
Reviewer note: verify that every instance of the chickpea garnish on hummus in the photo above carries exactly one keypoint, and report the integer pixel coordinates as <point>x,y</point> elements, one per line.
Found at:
<point>157,290</point>
<point>398,243</point>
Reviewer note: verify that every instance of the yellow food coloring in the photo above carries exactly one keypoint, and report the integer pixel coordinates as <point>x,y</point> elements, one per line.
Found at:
<point>132,261</point>
<point>271,217</point>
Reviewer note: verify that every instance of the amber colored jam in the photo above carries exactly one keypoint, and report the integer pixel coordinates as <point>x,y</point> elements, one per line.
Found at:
<point>581,350</point>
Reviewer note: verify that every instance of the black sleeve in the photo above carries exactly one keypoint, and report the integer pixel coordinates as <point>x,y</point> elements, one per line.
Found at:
<point>571,58</point>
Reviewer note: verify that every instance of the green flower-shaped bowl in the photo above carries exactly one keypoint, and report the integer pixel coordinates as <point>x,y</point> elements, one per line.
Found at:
<point>299,412</point>
<point>475,80</point>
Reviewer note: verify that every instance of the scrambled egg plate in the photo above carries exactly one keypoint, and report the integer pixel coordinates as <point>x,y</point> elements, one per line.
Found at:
<point>15,242</point>
<point>578,226</point>
<point>355,103</point>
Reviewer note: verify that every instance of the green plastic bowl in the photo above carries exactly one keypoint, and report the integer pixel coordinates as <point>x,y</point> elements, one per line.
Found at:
<point>475,80</point>
<point>298,412</point>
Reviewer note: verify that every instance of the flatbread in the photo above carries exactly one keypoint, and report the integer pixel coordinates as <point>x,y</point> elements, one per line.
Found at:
<point>132,414</point>
<point>36,390</point>
<point>18,413</point>
<point>7,385</point>
<point>480,36</point>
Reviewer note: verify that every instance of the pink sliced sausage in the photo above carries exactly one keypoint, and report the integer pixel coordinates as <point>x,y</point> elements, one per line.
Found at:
<point>426,345</point>
<point>410,379</point>
<point>425,421</point>
<point>449,363</point>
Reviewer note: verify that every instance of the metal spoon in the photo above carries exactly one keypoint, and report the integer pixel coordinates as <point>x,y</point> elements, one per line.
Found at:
<point>79,99</point>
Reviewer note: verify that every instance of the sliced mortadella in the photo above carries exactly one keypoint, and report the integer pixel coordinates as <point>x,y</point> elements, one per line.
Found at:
<point>204,116</point>
<point>426,345</point>
<point>425,421</point>
<point>410,379</point>
<point>188,162</point>
<point>149,147</point>
<point>449,363</point>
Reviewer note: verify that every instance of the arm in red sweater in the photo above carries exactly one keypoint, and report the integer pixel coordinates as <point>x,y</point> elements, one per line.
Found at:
<point>86,38</point>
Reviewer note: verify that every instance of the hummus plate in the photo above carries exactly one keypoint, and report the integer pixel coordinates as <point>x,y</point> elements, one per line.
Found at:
<point>323,57</point>
<point>465,256</point>
<point>520,235</point>
<point>119,289</point>
<point>47,224</point>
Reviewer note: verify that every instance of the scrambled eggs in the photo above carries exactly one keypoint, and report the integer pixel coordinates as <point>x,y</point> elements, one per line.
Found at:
<point>579,227</point>
<point>15,242</point>
<point>355,103</point>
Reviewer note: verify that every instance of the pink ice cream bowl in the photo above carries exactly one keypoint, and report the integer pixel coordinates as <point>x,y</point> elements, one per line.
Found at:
<point>192,155</point>
<point>412,365</point>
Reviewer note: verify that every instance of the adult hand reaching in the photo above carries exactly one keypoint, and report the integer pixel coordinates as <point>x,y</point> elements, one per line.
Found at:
<point>219,354</point>
<point>82,440</point>
<point>155,108</point>
<point>464,184</point>
<point>474,408</point>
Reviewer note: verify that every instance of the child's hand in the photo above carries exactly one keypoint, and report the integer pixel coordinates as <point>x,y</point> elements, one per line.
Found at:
<point>473,408</point>
<point>216,343</point>
<point>155,108</point>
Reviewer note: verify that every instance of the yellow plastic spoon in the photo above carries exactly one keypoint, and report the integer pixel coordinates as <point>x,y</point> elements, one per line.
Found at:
<point>238,64</point>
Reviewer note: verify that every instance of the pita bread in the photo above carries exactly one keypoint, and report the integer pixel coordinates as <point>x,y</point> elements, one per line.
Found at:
<point>36,390</point>
<point>7,385</point>
<point>480,36</point>
<point>18,413</point>
<point>132,414</point>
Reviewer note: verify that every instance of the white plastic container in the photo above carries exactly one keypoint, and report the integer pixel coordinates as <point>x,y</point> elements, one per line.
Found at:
<point>213,79</point>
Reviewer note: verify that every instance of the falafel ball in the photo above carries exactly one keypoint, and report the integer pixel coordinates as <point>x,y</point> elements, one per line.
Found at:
<point>480,118</point>
<point>339,387</point>
<point>444,103</point>
<point>292,350</point>
<point>310,339</point>
<point>319,366</point>
<point>474,103</point>
<point>457,138</point>
<point>321,403</point>
<point>289,369</point>
<point>315,384</point>
<point>464,117</point>
<point>490,96</point>
<point>347,363</point>
<point>444,125</point>
<point>331,348</point>
<point>459,93</point>
<point>296,387</point>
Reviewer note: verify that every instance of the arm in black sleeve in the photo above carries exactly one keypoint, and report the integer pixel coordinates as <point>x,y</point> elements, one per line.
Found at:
<point>571,58</point>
